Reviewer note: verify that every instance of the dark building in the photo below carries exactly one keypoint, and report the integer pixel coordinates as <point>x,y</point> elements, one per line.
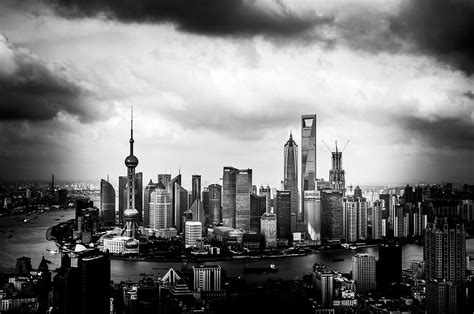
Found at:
<point>258,206</point>
<point>308,158</point>
<point>205,205</point>
<point>243,187</point>
<point>81,205</point>
<point>358,192</point>
<point>290,177</point>
<point>409,195</point>
<point>107,203</point>
<point>389,265</point>
<point>174,187</point>
<point>337,175</point>
<point>331,214</point>
<point>23,266</point>
<point>83,285</point>
<point>283,212</point>
<point>229,196</point>
<point>386,205</point>
<point>445,261</point>
<point>215,203</point>
<point>122,199</point>
<point>123,186</point>
<point>150,188</point>
<point>196,188</point>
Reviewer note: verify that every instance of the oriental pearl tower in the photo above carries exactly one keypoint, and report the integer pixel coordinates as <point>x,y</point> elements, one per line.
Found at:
<point>131,215</point>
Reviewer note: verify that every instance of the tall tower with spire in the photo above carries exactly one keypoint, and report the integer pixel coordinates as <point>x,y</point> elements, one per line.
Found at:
<point>131,214</point>
<point>290,177</point>
<point>337,174</point>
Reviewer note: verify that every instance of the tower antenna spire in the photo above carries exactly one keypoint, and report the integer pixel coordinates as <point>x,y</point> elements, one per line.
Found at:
<point>131,131</point>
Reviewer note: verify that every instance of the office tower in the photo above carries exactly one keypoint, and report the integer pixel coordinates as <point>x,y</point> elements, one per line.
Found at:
<point>354,218</point>
<point>308,159</point>
<point>229,196</point>
<point>323,282</point>
<point>131,214</point>
<point>197,211</point>
<point>161,214</point>
<point>183,207</point>
<point>81,205</point>
<point>107,203</point>
<point>258,206</point>
<point>442,297</point>
<point>377,209</point>
<point>215,203</point>
<point>23,266</point>
<point>393,202</point>
<point>84,285</point>
<point>408,194</point>
<point>337,174</point>
<point>254,190</point>
<point>164,178</point>
<point>205,205</point>
<point>283,214</point>
<point>445,259</point>
<point>243,186</point>
<point>312,214</point>
<point>196,188</point>
<point>363,272</point>
<point>122,199</point>
<point>192,232</point>
<point>389,265</point>
<point>207,278</point>
<point>331,214</point>
<point>173,187</point>
<point>290,177</point>
<point>400,222</point>
<point>268,228</point>
<point>150,188</point>
<point>357,192</point>
<point>268,194</point>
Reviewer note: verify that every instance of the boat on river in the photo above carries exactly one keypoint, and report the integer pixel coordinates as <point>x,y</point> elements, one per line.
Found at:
<point>272,268</point>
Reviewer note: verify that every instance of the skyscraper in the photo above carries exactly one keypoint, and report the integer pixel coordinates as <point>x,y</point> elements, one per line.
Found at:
<point>150,188</point>
<point>377,209</point>
<point>354,218</point>
<point>389,265</point>
<point>215,203</point>
<point>243,188</point>
<point>161,214</point>
<point>205,204</point>
<point>312,214</point>
<point>207,278</point>
<point>192,233</point>
<point>445,261</point>
<point>337,174</point>
<point>364,272</point>
<point>131,215</point>
<point>268,194</point>
<point>268,228</point>
<point>308,156</point>
<point>107,203</point>
<point>258,206</point>
<point>331,214</point>
<point>283,213</point>
<point>196,188</point>
<point>229,196</point>
<point>323,282</point>
<point>290,176</point>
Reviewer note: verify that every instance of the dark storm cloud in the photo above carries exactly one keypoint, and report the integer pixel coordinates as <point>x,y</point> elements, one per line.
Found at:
<point>442,133</point>
<point>36,90</point>
<point>443,28</point>
<point>207,17</point>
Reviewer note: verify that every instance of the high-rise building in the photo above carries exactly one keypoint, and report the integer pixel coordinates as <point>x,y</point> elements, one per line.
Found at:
<point>173,187</point>
<point>312,214</point>
<point>258,205</point>
<point>207,278</point>
<point>389,265</point>
<point>122,199</point>
<point>268,228</point>
<point>131,214</point>
<point>337,175</point>
<point>323,282</point>
<point>358,192</point>
<point>229,196</point>
<point>331,214</point>
<point>23,266</point>
<point>283,213</point>
<point>445,260</point>
<point>268,194</point>
<point>364,272</point>
<point>161,214</point>
<point>400,222</point>
<point>150,188</point>
<point>192,232</point>
<point>196,187</point>
<point>164,178</point>
<point>290,177</point>
<point>205,205</point>
<point>215,203</point>
<point>377,210</point>
<point>354,218</point>
<point>442,297</point>
<point>308,158</point>
<point>243,188</point>
<point>107,203</point>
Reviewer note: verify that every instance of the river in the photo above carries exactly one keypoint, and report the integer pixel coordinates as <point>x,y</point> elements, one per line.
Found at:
<point>28,239</point>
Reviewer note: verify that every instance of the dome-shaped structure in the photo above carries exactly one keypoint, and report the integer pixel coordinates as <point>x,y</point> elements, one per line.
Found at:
<point>131,213</point>
<point>161,186</point>
<point>131,161</point>
<point>131,244</point>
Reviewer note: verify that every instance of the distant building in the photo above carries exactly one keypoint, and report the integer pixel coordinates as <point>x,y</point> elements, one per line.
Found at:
<point>358,192</point>
<point>400,222</point>
<point>229,196</point>
<point>312,214</point>
<point>331,214</point>
<point>161,213</point>
<point>308,154</point>
<point>215,203</point>
<point>283,214</point>
<point>192,233</point>
<point>107,203</point>
<point>207,278</point>
<point>337,174</point>
<point>364,272</point>
<point>377,212</point>
<point>205,205</point>
<point>23,266</point>
<point>354,218</point>
<point>267,192</point>
<point>290,177</point>
<point>242,199</point>
<point>150,188</point>
<point>268,226</point>
<point>257,209</point>
<point>196,188</point>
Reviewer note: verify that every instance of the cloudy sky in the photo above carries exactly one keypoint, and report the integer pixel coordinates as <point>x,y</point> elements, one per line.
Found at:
<point>222,82</point>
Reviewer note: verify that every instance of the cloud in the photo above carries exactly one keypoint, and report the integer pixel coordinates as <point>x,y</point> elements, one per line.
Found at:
<point>35,89</point>
<point>206,17</point>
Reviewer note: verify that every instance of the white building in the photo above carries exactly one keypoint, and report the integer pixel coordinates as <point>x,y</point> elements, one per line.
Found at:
<point>268,225</point>
<point>161,214</point>
<point>192,233</point>
<point>363,272</point>
<point>207,278</point>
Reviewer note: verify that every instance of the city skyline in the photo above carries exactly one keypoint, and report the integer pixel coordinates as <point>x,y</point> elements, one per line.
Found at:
<point>234,98</point>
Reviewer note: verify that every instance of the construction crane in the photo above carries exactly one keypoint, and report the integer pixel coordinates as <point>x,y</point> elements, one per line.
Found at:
<point>331,150</point>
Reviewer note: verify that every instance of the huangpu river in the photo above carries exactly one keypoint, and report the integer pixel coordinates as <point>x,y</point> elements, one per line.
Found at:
<point>29,239</point>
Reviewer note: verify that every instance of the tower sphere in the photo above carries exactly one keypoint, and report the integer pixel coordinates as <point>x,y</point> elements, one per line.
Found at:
<point>131,161</point>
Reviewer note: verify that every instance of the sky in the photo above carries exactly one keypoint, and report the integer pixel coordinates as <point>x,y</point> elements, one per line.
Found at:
<point>217,83</point>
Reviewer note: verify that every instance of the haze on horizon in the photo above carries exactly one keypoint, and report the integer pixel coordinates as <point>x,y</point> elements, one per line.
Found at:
<point>223,82</point>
